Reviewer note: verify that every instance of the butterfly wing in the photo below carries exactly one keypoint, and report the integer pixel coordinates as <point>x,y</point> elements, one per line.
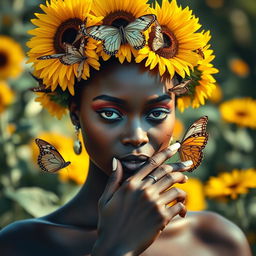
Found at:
<point>191,149</point>
<point>158,41</point>
<point>72,55</point>
<point>53,56</point>
<point>110,36</point>
<point>199,126</point>
<point>181,88</point>
<point>133,31</point>
<point>194,142</point>
<point>49,159</point>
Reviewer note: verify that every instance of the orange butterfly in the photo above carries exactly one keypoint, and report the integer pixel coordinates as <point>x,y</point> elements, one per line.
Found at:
<point>49,159</point>
<point>193,142</point>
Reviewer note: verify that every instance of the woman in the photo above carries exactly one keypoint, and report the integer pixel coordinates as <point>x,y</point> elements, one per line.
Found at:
<point>126,115</point>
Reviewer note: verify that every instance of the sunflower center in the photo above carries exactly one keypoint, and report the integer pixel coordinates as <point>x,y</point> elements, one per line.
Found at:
<point>234,186</point>
<point>118,19</point>
<point>241,113</point>
<point>3,59</point>
<point>66,33</point>
<point>170,45</point>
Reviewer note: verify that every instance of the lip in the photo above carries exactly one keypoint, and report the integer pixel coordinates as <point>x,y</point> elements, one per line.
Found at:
<point>131,163</point>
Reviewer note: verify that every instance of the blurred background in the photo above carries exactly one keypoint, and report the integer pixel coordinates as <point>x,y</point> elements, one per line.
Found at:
<point>224,183</point>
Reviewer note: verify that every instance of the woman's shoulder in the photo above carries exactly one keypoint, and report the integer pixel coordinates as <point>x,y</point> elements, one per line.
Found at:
<point>42,237</point>
<point>215,231</point>
<point>19,236</point>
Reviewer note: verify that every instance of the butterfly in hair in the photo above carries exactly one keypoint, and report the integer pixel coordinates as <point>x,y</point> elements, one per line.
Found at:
<point>158,41</point>
<point>49,159</point>
<point>193,142</point>
<point>41,87</point>
<point>71,56</point>
<point>112,37</point>
<point>180,89</point>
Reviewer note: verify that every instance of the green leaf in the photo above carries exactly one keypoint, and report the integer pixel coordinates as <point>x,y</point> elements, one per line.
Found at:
<point>34,200</point>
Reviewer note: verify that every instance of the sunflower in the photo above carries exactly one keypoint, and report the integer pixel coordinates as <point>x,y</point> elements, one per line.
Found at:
<point>239,111</point>
<point>203,83</point>
<point>58,25</point>
<point>11,58</point>
<point>64,145</point>
<point>181,40</point>
<point>47,101</point>
<point>239,67</point>
<point>6,96</point>
<point>178,129</point>
<point>231,184</point>
<point>217,94</point>
<point>117,13</point>
<point>195,200</point>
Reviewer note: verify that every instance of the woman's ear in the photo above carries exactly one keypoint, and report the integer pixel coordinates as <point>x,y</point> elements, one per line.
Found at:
<point>74,114</point>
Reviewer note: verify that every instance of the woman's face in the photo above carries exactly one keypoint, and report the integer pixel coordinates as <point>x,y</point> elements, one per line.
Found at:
<point>125,114</point>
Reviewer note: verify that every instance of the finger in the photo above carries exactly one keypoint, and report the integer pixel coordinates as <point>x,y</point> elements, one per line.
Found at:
<point>113,182</point>
<point>156,160</point>
<point>167,181</point>
<point>178,208</point>
<point>165,169</point>
<point>172,194</point>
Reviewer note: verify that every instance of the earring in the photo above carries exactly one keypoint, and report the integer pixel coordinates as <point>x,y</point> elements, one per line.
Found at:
<point>77,143</point>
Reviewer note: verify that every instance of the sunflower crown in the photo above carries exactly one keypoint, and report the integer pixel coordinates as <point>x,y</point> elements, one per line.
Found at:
<point>72,35</point>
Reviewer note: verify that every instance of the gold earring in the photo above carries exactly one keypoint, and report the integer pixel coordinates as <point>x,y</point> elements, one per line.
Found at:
<point>77,143</point>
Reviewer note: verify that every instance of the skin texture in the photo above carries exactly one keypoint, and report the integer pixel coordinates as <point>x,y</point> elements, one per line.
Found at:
<point>123,212</point>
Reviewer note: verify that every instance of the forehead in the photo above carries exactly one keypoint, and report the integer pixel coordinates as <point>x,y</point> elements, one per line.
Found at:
<point>126,80</point>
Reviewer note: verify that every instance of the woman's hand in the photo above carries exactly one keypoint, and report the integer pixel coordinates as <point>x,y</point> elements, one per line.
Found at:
<point>132,215</point>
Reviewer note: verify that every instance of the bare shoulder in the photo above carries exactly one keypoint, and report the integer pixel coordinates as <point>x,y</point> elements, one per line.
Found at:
<point>19,235</point>
<point>41,237</point>
<point>213,229</point>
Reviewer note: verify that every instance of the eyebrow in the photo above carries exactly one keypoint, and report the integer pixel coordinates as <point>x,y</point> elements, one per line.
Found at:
<point>123,102</point>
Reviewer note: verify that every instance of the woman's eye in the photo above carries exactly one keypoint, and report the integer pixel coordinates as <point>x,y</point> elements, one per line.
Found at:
<point>109,115</point>
<point>158,115</point>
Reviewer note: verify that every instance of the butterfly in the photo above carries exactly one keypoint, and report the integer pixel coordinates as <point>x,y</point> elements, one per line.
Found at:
<point>158,41</point>
<point>49,159</point>
<point>193,142</point>
<point>200,52</point>
<point>41,87</point>
<point>71,56</point>
<point>113,37</point>
<point>181,88</point>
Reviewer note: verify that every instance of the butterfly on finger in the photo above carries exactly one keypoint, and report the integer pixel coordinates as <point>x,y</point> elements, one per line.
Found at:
<point>71,56</point>
<point>49,158</point>
<point>112,37</point>
<point>193,142</point>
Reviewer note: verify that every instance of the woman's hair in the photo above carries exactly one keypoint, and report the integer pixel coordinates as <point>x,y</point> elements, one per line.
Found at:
<point>111,64</point>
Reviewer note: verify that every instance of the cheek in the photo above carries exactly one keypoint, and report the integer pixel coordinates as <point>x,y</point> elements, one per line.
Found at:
<point>163,133</point>
<point>98,142</point>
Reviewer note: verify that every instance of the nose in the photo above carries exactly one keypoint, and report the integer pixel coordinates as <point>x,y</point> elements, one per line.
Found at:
<point>135,135</point>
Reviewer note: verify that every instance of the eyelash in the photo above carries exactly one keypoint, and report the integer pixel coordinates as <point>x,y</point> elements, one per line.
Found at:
<point>162,111</point>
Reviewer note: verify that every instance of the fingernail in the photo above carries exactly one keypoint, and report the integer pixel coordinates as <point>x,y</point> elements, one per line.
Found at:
<point>185,179</point>
<point>187,163</point>
<point>114,164</point>
<point>174,146</point>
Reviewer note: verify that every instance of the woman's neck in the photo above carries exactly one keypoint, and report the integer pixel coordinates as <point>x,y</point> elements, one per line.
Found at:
<point>82,210</point>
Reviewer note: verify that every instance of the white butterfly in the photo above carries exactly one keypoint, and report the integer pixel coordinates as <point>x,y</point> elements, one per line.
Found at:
<point>113,37</point>
<point>71,56</point>
<point>158,41</point>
